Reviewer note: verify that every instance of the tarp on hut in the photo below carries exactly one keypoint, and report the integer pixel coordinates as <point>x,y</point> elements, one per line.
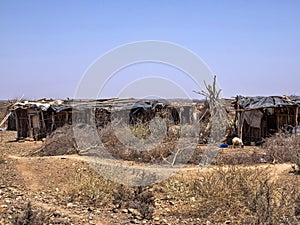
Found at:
<point>263,102</point>
<point>296,99</point>
<point>44,106</point>
<point>114,104</point>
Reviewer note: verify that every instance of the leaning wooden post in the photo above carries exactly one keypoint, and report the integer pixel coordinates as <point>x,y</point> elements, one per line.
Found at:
<point>296,119</point>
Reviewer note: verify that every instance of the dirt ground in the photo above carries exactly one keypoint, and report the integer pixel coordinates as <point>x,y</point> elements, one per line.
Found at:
<point>45,183</point>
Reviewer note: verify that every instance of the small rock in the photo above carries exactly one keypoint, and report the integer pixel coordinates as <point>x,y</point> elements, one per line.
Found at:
<point>172,203</point>
<point>164,220</point>
<point>115,210</point>
<point>69,205</point>
<point>113,216</point>
<point>157,204</point>
<point>9,211</point>
<point>156,218</point>
<point>134,212</point>
<point>227,222</point>
<point>124,210</point>
<point>59,220</point>
<point>56,213</point>
<point>138,217</point>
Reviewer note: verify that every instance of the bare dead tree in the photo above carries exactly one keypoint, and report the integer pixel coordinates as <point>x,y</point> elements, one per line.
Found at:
<point>219,120</point>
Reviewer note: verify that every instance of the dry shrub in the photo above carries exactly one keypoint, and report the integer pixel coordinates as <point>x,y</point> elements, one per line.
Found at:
<point>143,142</point>
<point>139,198</point>
<point>243,157</point>
<point>239,194</point>
<point>60,142</point>
<point>29,216</point>
<point>114,146</point>
<point>119,141</point>
<point>284,147</point>
<point>123,146</point>
<point>88,187</point>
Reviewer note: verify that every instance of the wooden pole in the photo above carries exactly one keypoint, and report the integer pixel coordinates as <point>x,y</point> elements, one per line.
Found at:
<point>17,124</point>
<point>238,118</point>
<point>277,118</point>
<point>30,133</point>
<point>67,117</point>
<point>53,121</point>
<point>4,119</point>
<point>296,119</point>
<point>43,120</point>
<point>242,124</point>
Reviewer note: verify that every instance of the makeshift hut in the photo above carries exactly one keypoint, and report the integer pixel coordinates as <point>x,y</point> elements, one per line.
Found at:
<point>260,117</point>
<point>36,119</point>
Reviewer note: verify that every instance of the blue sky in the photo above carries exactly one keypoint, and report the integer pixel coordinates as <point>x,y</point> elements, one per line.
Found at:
<point>46,46</point>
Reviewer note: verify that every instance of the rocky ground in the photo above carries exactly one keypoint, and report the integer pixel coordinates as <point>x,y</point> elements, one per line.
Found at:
<point>53,190</point>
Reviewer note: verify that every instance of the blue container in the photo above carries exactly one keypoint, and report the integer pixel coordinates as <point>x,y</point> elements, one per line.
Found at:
<point>223,145</point>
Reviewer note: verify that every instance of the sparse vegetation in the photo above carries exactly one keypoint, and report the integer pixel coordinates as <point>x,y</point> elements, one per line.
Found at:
<point>236,189</point>
<point>284,147</point>
<point>90,188</point>
<point>139,198</point>
<point>238,194</point>
<point>28,216</point>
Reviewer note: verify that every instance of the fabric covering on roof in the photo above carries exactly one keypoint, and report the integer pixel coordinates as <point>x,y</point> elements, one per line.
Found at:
<point>115,104</point>
<point>264,102</point>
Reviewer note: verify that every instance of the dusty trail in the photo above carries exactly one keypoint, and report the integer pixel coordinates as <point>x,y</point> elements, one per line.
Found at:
<point>34,170</point>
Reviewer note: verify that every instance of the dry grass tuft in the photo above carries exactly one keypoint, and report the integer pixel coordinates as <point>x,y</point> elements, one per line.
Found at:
<point>89,188</point>
<point>239,194</point>
<point>283,147</point>
<point>29,216</point>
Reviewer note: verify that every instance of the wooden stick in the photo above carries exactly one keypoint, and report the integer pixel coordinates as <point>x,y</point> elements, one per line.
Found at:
<point>296,119</point>
<point>4,119</point>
